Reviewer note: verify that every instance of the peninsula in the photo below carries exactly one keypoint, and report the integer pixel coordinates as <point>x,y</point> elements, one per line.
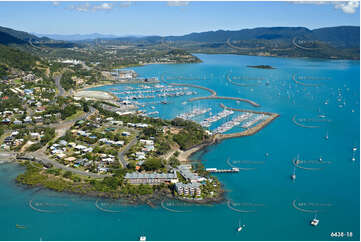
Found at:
<point>74,139</point>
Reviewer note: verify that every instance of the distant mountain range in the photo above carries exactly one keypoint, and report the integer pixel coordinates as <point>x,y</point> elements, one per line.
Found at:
<point>342,36</point>
<point>80,37</point>
<point>342,42</point>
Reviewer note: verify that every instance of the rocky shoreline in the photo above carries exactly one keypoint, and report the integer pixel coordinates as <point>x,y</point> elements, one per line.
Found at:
<point>153,200</point>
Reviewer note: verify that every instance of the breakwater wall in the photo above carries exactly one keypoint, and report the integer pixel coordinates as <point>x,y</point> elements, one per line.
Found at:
<point>244,110</point>
<point>250,131</point>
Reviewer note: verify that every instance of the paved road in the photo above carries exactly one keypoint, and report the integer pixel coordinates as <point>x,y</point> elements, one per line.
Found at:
<point>43,157</point>
<point>125,150</point>
<point>82,117</point>
<point>58,85</point>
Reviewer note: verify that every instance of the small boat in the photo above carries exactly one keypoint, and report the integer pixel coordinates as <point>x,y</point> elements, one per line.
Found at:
<point>326,137</point>
<point>315,221</point>
<point>240,227</point>
<point>293,176</point>
<point>320,159</point>
<point>20,226</point>
<point>298,161</point>
<point>354,149</point>
<point>142,238</point>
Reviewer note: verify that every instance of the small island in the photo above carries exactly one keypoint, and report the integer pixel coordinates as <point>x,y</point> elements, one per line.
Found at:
<point>262,67</point>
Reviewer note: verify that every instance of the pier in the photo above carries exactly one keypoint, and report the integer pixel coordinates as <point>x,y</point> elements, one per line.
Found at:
<point>215,170</point>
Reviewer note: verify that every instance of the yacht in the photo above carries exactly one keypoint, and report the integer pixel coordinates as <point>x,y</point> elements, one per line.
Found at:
<point>143,238</point>
<point>326,137</point>
<point>240,227</point>
<point>293,176</point>
<point>315,221</point>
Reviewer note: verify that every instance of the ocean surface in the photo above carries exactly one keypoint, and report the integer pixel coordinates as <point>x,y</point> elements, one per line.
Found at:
<point>323,101</point>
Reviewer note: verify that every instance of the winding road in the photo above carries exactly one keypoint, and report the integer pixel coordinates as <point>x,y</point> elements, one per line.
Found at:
<point>125,150</point>
<point>46,160</point>
<point>60,88</point>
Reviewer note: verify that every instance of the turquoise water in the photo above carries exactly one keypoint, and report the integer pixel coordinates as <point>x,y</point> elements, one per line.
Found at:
<point>265,193</point>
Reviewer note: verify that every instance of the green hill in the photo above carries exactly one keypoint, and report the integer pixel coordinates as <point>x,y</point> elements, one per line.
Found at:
<point>15,58</point>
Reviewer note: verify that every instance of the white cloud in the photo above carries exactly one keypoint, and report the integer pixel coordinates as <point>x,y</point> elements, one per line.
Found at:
<point>103,6</point>
<point>56,3</point>
<point>178,3</point>
<point>92,7</point>
<point>347,7</point>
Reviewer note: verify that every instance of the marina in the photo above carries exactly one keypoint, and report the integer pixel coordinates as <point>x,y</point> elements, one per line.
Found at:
<point>194,113</point>
<point>270,184</point>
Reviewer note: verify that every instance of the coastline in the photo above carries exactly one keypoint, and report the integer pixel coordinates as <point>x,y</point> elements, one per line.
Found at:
<point>183,156</point>
<point>153,200</point>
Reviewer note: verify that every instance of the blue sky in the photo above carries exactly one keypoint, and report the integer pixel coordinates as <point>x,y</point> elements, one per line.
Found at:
<point>176,18</point>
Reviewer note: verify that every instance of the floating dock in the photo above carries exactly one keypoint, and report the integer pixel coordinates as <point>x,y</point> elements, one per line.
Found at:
<point>215,170</point>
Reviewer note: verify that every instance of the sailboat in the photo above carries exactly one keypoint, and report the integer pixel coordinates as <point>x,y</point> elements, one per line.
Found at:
<point>315,221</point>
<point>298,159</point>
<point>240,227</point>
<point>353,154</point>
<point>326,137</point>
<point>293,176</point>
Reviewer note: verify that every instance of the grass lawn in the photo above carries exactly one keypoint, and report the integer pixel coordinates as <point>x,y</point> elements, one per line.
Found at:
<point>75,115</point>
